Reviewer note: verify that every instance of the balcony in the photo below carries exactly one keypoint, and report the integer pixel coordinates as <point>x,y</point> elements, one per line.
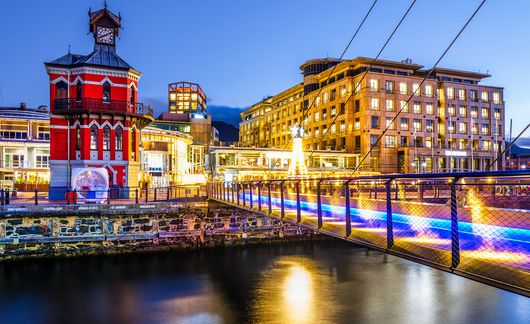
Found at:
<point>75,106</point>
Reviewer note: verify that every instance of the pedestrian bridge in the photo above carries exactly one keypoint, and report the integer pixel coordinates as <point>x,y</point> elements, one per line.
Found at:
<point>473,224</point>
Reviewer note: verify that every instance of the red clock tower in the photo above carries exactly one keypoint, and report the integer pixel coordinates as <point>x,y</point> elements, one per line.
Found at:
<point>95,117</point>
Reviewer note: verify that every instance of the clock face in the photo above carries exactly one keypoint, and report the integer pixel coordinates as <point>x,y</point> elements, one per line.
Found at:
<point>105,35</point>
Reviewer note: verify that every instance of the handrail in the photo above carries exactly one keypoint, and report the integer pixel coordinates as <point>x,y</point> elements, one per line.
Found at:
<point>116,106</point>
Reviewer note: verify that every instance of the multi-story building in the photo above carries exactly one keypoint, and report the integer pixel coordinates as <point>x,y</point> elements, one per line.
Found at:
<point>25,147</point>
<point>451,122</point>
<point>166,159</point>
<point>187,114</point>
<point>95,118</point>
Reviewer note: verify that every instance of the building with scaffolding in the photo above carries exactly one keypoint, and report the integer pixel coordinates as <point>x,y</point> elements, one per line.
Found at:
<point>451,122</point>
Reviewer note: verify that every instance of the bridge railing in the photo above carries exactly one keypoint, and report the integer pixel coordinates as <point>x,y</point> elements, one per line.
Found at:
<point>12,198</point>
<point>475,224</point>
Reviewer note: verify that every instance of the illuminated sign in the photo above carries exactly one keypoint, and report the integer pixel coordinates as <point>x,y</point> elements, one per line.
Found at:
<point>455,153</point>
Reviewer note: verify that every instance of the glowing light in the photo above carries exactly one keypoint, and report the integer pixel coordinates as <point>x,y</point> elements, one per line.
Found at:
<point>498,256</point>
<point>297,166</point>
<point>297,292</point>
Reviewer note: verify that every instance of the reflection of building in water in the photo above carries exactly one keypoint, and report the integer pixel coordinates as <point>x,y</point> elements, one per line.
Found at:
<point>167,158</point>
<point>24,147</point>
<point>255,163</point>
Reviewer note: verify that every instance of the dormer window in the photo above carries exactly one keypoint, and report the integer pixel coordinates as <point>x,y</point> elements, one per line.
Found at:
<point>106,91</point>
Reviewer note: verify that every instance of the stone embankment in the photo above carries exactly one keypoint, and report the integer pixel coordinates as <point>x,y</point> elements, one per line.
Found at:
<point>65,233</point>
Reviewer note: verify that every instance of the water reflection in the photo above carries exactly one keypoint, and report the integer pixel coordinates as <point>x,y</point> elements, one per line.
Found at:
<point>331,282</point>
<point>294,289</point>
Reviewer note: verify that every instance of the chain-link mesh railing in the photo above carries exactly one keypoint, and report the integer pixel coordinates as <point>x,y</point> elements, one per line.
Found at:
<point>476,224</point>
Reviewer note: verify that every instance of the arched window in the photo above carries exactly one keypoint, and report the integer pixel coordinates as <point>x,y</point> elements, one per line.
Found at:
<point>119,138</point>
<point>106,138</point>
<point>79,91</point>
<point>61,90</point>
<point>132,96</point>
<point>106,91</point>
<point>93,137</point>
<point>78,138</point>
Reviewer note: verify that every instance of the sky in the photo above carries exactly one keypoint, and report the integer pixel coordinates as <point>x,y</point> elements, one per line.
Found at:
<point>241,51</point>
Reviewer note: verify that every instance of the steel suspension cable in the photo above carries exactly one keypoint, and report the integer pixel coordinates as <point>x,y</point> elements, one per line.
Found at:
<point>423,81</point>
<point>304,115</point>
<point>357,90</point>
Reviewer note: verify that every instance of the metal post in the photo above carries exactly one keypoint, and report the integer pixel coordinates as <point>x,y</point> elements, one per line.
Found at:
<point>397,190</point>
<point>36,197</point>
<point>108,196</point>
<point>237,193</point>
<point>389,221</point>
<point>232,191</point>
<point>250,195</point>
<point>137,196</point>
<point>269,197</point>
<point>455,241</point>
<point>298,204</point>
<point>75,197</point>
<point>348,209</point>
<point>167,192</point>
<point>282,202</point>
<point>146,194</point>
<point>259,195</point>
<point>243,194</point>
<point>2,196</point>
<point>7,197</point>
<point>319,204</point>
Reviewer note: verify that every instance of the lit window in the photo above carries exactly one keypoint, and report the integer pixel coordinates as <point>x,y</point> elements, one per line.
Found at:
<point>389,123</point>
<point>343,90</point>
<point>93,137</point>
<point>429,108</point>
<point>417,107</point>
<point>357,124</point>
<point>389,86</point>
<point>106,138</point>
<point>463,111</point>
<point>342,126</point>
<point>404,124</point>
<point>389,105</point>
<point>428,90</point>
<point>428,142</point>
<point>325,97</point>
<point>375,103</point>
<point>474,112</point>
<point>462,94</point>
<point>462,129</point>
<point>474,129</point>
<point>484,96</point>
<point>485,130</point>
<point>451,110</point>
<point>417,125</point>
<point>485,113</point>
<point>119,138</point>
<point>497,97</point>
<point>451,126</point>
<point>79,91</point>
<point>497,114</point>
<point>78,138</point>
<point>450,93</point>
<point>486,145</point>
<point>374,84</point>
<point>390,141</point>
<point>403,106</point>
<point>416,89</point>
<point>403,87</point>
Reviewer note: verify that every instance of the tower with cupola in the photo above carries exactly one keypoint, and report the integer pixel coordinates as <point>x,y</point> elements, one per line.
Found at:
<point>95,116</point>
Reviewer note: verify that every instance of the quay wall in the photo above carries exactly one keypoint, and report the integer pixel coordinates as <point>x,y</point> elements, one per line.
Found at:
<point>69,233</point>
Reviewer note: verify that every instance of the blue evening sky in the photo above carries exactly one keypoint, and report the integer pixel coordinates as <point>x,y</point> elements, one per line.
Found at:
<point>241,50</point>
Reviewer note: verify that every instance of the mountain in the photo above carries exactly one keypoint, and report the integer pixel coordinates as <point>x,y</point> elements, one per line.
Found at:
<point>227,132</point>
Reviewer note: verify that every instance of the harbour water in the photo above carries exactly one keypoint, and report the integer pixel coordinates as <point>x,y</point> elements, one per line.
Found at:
<point>306,282</point>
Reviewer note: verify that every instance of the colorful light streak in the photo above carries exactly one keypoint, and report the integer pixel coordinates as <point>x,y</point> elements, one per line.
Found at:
<point>478,240</point>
